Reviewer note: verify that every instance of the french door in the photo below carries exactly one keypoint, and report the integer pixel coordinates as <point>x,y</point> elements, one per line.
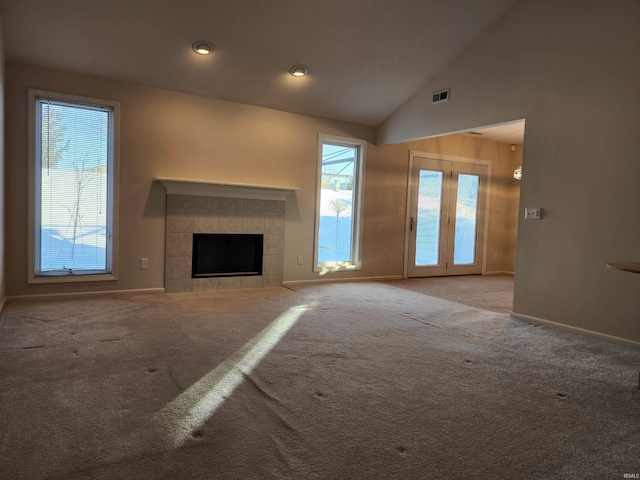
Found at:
<point>446,229</point>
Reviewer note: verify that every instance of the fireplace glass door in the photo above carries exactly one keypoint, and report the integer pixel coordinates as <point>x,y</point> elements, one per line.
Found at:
<point>226,255</point>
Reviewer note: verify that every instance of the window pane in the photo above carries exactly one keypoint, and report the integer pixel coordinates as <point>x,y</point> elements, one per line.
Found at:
<point>428,227</point>
<point>337,195</point>
<point>466,219</point>
<point>73,174</point>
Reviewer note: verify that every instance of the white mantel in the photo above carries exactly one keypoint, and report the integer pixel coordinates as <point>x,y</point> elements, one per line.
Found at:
<point>183,186</point>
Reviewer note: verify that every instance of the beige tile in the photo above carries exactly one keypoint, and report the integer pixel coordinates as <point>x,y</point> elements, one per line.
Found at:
<point>271,280</point>
<point>187,214</point>
<point>273,244</point>
<point>177,285</point>
<point>229,221</point>
<point>231,204</point>
<point>273,222</point>
<point>254,281</point>
<point>204,284</point>
<point>252,222</point>
<point>179,201</point>
<point>228,283</point>
<point>273,265</point>
<point>205,220</point>
<point>179,244</point>
<point>180,220</point>
<point>177,267</point>
<point>173,209</point>
<point>274,206</point>
<point>212,203</point>
<point>252,205</point>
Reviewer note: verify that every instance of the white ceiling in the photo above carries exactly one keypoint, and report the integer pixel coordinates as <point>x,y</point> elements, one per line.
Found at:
<point>365,57</point>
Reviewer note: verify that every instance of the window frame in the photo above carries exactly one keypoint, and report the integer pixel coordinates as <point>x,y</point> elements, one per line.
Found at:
<point>34,187</point>
<point>356,209</point>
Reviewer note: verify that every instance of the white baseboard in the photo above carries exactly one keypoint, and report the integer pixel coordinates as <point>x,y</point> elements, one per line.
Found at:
<point>45,296</point>
<point>292,283</point>
<point>591,333</point>
<point>499,273</point>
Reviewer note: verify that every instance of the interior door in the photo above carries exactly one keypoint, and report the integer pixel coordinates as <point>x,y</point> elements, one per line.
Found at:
<point>446,229</point>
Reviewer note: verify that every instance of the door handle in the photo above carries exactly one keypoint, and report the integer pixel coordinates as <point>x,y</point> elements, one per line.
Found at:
<point>412,223</point>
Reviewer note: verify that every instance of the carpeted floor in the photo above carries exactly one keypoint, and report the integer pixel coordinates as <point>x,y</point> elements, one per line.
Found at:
<point>488,292</point>
<point>342,381</point>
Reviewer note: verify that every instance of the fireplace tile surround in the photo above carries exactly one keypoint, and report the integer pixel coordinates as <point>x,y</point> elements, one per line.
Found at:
<point>189,214</point>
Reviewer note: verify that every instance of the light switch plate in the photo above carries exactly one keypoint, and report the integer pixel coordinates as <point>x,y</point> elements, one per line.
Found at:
<point>533,213</point>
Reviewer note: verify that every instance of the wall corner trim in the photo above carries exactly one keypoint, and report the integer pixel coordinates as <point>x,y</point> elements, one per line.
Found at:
<point>584,331</point>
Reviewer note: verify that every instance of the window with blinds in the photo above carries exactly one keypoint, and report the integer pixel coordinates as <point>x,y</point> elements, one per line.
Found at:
<point>74,144</point>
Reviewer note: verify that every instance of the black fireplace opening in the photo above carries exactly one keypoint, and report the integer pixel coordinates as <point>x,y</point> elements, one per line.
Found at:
<point>226,255</point>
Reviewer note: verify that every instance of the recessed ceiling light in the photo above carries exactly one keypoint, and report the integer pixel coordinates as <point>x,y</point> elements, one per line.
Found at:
<point>202,47</point>
<point>299,71</point>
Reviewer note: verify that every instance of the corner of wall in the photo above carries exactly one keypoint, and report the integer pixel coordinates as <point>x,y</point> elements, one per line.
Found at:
<point>2,193</point>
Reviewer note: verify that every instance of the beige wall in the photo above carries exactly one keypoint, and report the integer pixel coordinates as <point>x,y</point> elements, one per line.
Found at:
<point>572,69</point>
<point>176,135</point>
<point>172,135</point>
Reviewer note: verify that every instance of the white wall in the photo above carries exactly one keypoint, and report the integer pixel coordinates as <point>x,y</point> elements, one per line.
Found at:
<point>572,69</point>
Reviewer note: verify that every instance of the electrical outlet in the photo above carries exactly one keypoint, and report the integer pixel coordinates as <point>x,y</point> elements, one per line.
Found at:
<point>390,258</point>
<point>532,213</point>
<point>144,263</point>
<point>299,259</point>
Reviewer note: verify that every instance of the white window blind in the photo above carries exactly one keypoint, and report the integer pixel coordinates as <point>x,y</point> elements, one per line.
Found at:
<point>74,152</point>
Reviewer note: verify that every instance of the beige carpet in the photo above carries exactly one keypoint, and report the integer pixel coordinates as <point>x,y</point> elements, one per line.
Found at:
<point>488,292</point>
<point>343,381</point>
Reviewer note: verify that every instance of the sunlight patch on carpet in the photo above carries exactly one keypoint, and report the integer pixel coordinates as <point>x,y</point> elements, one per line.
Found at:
<point>194,406</point>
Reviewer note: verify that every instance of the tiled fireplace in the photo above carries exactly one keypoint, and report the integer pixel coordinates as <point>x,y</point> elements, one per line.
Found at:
<point>189,214</point>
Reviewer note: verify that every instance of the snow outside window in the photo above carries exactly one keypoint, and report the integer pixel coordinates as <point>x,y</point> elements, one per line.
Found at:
<point>73,187</point>
<point>339,204</point>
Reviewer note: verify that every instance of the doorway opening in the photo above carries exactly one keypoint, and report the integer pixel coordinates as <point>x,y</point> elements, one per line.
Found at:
<point>462,205</point>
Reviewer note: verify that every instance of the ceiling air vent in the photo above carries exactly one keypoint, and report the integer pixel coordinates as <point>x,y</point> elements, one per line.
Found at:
<point>441,96</point>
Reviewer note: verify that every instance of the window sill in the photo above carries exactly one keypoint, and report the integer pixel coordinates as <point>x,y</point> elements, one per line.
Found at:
<point>106,277</point>
<point>330,267</point>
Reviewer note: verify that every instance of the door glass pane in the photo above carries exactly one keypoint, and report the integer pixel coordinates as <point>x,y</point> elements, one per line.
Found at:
<point>466,219</point>
<point>428,227</point>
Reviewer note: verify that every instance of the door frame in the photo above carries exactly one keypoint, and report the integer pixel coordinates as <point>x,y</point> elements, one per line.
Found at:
<point>407,218</point>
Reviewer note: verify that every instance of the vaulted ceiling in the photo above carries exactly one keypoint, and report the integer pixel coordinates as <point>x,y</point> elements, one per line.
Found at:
<point>365,57</point>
